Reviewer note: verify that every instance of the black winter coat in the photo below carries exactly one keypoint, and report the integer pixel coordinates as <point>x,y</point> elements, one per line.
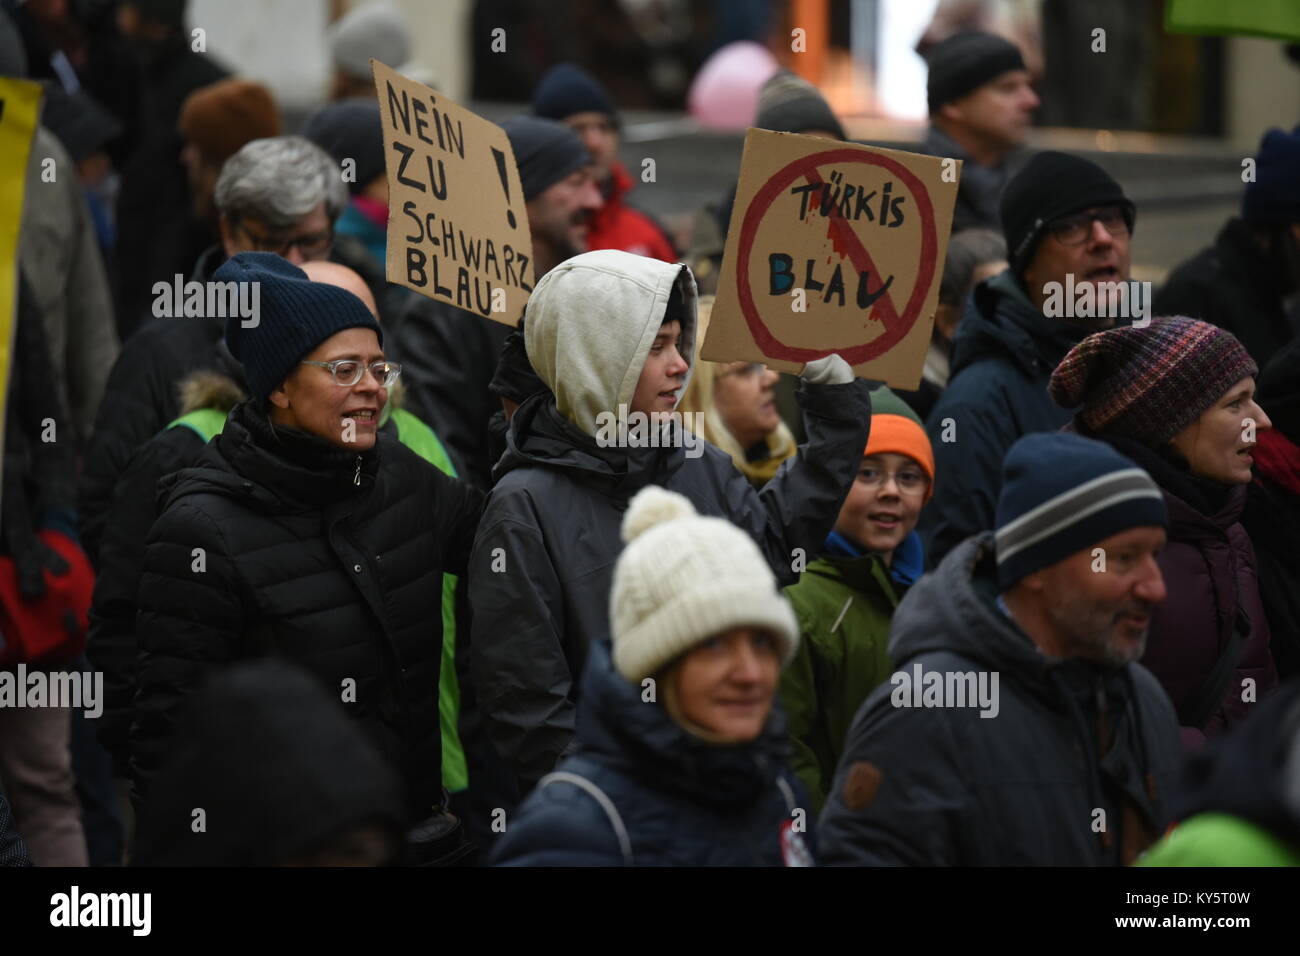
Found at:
<point>945,786</point>
<point>680,801</point>
<point>544,557</point>
<point>141,397</point>
<point>448,359</point>
<point>332,559</point>
<point>1003,357</point>
<point>1233,285</point>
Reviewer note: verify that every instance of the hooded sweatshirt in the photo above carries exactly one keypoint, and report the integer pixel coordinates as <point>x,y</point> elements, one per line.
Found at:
<point>545,551</point>
<point>1071,766</point>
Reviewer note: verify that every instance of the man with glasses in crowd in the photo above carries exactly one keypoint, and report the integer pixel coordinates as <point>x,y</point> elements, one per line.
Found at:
<point>1067,224</point>
<point>281,194</point>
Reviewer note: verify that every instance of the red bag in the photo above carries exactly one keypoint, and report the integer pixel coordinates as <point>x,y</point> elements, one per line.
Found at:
<point>34,632</point>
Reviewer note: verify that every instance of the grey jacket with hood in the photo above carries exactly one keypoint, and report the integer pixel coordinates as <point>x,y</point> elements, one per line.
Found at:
<point>545,550</point>
<point>945,786</point>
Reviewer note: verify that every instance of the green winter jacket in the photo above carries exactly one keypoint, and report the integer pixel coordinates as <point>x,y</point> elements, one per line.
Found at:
<point>1220,839</point>
<point>844,606</point>
<point>420,438</point>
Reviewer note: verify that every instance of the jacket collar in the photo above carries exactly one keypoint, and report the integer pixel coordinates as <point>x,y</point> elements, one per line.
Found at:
<point>1002,321</point>
<point>298,468</point>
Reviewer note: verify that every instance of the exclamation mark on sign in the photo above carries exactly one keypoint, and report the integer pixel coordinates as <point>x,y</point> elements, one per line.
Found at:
<point>501,171</point>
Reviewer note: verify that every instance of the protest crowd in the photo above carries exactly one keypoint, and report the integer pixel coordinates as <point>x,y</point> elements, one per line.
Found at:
<point>364,583</point>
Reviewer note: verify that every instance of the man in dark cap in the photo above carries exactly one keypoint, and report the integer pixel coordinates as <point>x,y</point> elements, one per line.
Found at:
<point>1243,281</point>
<point>1067,225</point>
<point>449,355</point>
<point>980,108</point>
<point>574,97</point>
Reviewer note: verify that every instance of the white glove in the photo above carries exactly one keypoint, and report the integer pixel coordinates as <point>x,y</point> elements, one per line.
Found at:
<point>831,370</point>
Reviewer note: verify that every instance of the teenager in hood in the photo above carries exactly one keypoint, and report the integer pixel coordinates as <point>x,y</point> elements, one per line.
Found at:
<point>611,332</point>
<point>679,747</point>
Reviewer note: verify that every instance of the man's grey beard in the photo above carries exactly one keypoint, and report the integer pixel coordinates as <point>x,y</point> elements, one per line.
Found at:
<point>1088,637</point>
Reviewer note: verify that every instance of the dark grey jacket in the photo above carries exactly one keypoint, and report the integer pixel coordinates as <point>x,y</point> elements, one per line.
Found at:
<point>945,786</point>
<point>1002,360</point>
<point>544,556</point>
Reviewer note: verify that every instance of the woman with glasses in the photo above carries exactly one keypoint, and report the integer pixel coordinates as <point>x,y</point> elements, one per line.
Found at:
<point>303,532</point>
<point>845,599</point>
<point>738,400</point>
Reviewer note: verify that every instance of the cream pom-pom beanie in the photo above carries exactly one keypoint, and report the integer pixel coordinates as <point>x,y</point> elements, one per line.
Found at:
<point>684,577</point>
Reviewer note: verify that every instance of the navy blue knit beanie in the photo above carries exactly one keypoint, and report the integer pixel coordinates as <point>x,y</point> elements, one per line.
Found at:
<point>566,89</point>
<point>1274,196</point>
<point>352,130</point>
<point>294,315</point>
<point>1062,493</point>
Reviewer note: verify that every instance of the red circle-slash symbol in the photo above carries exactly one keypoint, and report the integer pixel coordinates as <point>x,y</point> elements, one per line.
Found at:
<point>896,326</point>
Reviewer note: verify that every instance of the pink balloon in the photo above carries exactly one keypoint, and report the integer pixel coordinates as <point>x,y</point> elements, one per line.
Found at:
<point>724,94</point>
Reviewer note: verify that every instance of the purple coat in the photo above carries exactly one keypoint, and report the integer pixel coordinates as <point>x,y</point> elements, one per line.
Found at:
<point>1208,565</point>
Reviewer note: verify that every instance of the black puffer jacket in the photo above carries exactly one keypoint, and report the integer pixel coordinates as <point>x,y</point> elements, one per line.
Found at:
<point>140,399</point>
<point>110,644</point>
<point>680,801</point>
<point>332,559</point>
<point>542,598</point>
<point>946,786</point>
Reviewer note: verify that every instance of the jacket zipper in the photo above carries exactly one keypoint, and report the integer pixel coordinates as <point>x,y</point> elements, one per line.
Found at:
<point>356,479</point>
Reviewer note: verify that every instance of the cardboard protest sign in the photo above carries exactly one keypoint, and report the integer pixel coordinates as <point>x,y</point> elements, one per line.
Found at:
<point>833,247</point>
<point>457,227</point>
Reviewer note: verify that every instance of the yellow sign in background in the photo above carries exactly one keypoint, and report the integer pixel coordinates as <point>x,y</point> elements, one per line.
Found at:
<point>19,107</point>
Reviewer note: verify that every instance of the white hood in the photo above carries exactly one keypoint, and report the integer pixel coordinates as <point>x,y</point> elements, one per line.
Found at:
<point>590,323</point>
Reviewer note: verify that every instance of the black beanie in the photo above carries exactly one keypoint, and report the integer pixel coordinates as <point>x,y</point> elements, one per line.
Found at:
<point>964,62</point>
<point>351,130</point>
<point>1274,196</point>
<point>294,316</point>
<point>545,151</point>
<point>1052,185</point>
<point>566,89</point>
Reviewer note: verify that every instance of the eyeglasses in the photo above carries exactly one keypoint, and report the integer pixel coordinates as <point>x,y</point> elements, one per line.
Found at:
<point>1073,230</point>
<point>745,368</point>
<point>909,481</point>
<point>315,245</point>
<point>347,372</point>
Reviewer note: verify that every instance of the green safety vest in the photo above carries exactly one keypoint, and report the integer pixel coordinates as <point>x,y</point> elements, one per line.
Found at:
<point>420,438</point>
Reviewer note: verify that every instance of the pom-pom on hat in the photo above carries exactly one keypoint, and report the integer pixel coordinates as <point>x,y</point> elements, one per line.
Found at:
<point>683,578</point>
<point>1149,383</point>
